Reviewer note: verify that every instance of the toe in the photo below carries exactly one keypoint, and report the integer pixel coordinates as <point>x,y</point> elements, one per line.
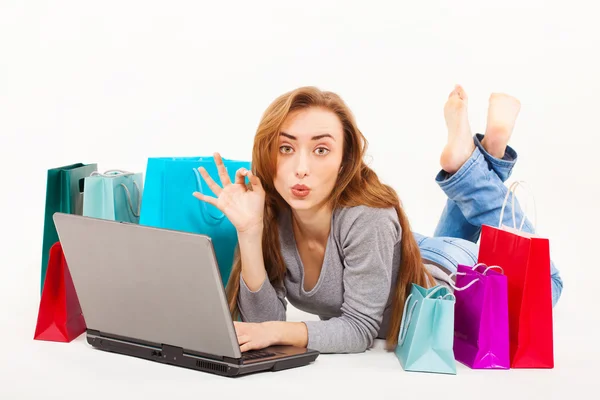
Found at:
<point>461,92</point>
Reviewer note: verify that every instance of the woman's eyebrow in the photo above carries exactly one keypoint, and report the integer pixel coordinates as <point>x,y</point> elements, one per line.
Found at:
<point>318,137</point>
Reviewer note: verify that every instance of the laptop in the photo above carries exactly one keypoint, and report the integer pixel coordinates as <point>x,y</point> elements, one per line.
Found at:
<point>157,294</point>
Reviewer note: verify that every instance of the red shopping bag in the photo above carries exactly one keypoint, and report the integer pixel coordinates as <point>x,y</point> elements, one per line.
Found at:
<point>59,318</point>
<point>525,259</point>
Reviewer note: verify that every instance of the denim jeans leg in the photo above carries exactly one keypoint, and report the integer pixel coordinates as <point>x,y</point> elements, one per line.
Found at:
<point>452,222</point>
<point>478,191</point>
<point>502,167</point>
<point>447,252</point>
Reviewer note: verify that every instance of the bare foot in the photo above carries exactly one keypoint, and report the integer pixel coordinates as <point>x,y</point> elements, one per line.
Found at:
<point>502,115</point>
<point>460,144</point>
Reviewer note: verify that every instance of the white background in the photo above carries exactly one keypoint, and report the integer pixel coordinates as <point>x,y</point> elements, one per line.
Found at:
<point>115,82</point>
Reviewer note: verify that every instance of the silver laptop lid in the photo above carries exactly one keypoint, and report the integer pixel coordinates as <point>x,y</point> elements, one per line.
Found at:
<point>149,284</point>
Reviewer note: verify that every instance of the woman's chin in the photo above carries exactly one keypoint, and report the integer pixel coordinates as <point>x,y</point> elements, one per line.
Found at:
<point>300,204</point>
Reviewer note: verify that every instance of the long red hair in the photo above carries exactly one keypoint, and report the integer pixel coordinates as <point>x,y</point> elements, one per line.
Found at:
<point>357,185</point>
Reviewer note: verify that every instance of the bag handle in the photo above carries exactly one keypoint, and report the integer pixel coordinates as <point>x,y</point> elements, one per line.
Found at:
<point>468,285</point>
<point>513,189</point>
<point>139,202</point>
<point>437,289</point>
<point>111,173</point>
<point>404,325</point>
<point>448,294</point>
<point>434,291</point>
<point>214,219</point>
<point>487,268</point>
<point>494,267</point>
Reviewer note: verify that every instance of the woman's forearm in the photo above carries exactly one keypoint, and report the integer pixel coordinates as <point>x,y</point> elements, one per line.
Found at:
<point>288,333</point>
<point>253,264</point>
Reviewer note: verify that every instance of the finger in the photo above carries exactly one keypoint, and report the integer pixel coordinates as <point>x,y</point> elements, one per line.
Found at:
<point>246,347</point>
<point>240,176</point>
<point>208,199</point>
<point>254,181</point>
<point>223,175</point>
<point>216,189</point>
<point>243,339</point>
<point>239,327</point>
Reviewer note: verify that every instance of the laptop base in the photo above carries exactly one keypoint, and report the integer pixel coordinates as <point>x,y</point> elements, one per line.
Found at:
<point>171,355</point>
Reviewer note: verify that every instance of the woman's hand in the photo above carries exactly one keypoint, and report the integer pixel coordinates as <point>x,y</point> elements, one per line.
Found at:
<point>243,207</point>
<point>254,336</point>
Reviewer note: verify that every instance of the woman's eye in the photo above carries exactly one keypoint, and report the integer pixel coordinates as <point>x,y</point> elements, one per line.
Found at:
<point>285,149</point>
<point>321,151</point>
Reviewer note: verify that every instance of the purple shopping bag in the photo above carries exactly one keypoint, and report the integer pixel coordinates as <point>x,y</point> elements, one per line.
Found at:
<point>481,317</point>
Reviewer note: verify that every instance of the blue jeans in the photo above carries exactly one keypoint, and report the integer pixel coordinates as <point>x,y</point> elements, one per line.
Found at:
<point>475,196</point>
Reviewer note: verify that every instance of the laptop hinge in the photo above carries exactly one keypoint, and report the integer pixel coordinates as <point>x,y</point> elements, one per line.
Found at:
<point>163,350</point>
<point>194,353</point>
<point>172,352</point>
<point>230,360</point>
<point>120,338</point>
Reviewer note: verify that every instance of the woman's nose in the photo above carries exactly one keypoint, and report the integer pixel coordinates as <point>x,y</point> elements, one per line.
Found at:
<point>302,167</point>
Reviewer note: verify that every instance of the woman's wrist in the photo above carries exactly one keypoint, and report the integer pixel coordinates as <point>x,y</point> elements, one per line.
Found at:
<point>252,232</point>
<point>275,334</point>
<point>253,267</point>
<point>287,333</point>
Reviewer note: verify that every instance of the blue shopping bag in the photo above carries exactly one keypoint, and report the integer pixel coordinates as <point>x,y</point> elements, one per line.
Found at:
<point>425,341</point>
<point>168,202</point>
<point>114,195</point>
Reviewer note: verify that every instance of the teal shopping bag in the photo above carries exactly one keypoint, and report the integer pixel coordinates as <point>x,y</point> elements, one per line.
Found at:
<point>168,203</point>
<point>64,193</point>
<point>426,338</point>
<point>114,195</point>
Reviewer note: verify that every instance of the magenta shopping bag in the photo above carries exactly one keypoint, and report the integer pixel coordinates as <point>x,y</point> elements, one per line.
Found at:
<point>481,317</point>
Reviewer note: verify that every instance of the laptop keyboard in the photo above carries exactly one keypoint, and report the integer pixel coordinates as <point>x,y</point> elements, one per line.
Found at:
<point>255,354</point>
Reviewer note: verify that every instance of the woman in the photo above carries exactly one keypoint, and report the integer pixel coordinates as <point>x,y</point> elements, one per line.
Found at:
<point>317,228</point>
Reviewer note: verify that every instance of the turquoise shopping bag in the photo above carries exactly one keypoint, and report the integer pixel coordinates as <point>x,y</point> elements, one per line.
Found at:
<point>168,203</point>
<point>425,342</point>
<point>115,195</point>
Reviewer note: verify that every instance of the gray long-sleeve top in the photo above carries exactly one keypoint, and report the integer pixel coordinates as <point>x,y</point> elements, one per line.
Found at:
<point>352,296</point>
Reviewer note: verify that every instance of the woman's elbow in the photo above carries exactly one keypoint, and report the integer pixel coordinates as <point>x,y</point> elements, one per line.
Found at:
<point>362,343</point>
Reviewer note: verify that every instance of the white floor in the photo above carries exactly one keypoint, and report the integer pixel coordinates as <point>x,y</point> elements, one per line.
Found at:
<point>45,370</point>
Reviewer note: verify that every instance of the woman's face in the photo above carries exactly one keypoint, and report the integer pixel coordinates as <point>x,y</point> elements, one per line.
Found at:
<point>311,143</point>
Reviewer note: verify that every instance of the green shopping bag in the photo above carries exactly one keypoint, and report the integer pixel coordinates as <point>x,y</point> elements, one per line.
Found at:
<point>114,195</point>
<point>64,193</point>
<point>426,338</point>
